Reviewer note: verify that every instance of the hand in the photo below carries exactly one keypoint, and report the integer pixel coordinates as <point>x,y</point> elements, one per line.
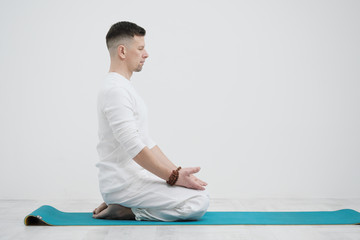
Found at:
<point>202,183</point>
<point>188,180</point>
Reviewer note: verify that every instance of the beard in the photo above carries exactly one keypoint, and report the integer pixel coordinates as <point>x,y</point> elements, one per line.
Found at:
<point>139,68</point>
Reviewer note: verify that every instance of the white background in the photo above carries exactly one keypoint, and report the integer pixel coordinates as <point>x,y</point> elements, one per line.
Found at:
<point>263,95</point>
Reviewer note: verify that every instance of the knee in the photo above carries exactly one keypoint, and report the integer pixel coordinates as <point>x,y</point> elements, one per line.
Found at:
<point>195,207</point>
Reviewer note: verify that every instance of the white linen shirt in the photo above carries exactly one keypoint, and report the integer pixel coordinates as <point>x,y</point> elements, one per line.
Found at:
<point>123,133</point>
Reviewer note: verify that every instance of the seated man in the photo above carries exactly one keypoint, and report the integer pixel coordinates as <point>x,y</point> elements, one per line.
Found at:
<point>137,181</point>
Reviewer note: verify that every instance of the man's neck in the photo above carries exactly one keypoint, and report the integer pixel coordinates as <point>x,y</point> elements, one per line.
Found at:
<point>122,72</point>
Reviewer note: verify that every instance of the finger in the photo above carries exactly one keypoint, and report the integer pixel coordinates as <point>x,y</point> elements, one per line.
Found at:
<point>203,183</point>
<point>197,186</point>
<point>194,183</point>
<point>199,181</point>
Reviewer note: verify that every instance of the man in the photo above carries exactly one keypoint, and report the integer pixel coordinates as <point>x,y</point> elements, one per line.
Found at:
<point>137,181</point>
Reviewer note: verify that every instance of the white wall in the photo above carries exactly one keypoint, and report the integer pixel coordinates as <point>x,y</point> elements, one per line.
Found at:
<point>264,95</point>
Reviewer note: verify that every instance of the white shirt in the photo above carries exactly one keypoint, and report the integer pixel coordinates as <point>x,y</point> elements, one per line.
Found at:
<point>123,133</point>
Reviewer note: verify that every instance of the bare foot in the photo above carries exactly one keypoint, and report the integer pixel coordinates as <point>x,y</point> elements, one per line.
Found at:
<point>115,212</point>
<point>100,208</point>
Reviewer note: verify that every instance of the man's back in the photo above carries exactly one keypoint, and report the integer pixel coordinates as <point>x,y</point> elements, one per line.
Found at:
<point>123,132</point>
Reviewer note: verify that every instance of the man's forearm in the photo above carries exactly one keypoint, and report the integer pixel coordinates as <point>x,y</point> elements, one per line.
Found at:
<point>161,156</point>
<point>154,163</point>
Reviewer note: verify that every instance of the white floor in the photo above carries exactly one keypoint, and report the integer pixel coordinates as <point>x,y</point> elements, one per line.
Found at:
<point>13,213</point>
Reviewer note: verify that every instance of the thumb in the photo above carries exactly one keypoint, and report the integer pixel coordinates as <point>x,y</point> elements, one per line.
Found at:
<point>194,170</point>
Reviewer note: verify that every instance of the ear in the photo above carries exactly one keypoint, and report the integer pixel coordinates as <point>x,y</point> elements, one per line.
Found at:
<point>121,51</point>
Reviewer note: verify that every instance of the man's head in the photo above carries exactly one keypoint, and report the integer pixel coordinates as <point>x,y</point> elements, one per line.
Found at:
<point>125,42</point>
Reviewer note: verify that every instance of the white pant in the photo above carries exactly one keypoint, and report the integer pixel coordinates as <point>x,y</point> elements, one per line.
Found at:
<point>151,198</point>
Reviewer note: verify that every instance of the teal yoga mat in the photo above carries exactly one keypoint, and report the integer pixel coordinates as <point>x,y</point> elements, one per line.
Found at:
<point>48,215</point>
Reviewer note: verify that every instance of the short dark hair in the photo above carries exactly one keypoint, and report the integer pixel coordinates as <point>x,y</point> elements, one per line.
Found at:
<point>123,30</point>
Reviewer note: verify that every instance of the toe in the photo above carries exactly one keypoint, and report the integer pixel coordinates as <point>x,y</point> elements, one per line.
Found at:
<point>98,215</point>
<point>101,214</point>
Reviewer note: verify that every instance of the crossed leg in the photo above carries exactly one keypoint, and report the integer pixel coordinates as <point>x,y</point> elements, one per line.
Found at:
<point>113,212</point>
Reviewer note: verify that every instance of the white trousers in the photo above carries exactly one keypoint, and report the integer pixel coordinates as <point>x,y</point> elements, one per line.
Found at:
<point>151,198</point>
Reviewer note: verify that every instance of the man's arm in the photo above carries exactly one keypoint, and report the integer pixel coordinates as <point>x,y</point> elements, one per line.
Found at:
<point>148,160</point>
<point>161,156</point>
<point>117,108</point>
<point>162,167</point>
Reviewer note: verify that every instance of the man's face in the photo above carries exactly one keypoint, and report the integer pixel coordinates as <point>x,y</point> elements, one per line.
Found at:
<point>136,54</point>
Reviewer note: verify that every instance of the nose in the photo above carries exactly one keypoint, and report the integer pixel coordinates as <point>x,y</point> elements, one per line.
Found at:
<point>146,55</point>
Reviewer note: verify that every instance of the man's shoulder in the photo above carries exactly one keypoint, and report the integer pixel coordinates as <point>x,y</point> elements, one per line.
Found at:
<point>115,91</point>
<point>109,85</point>
<point>112,88</point>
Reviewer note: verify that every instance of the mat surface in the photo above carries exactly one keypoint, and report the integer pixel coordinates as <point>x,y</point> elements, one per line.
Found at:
<point>48,215</point>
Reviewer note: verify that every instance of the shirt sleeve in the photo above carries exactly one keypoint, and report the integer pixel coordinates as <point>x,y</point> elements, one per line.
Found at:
<point>150,142</point>
<point>119,112</point>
